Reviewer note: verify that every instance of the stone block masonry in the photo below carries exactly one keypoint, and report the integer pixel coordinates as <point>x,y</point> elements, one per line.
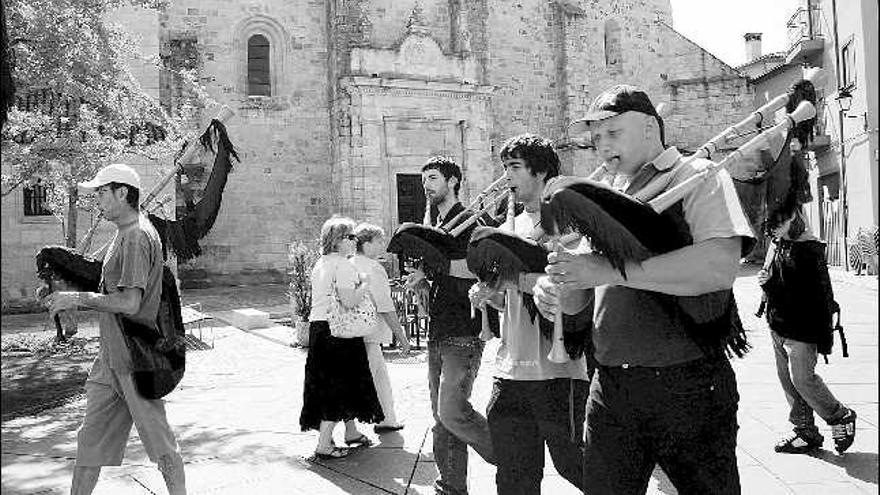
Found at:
<point>363,91</point>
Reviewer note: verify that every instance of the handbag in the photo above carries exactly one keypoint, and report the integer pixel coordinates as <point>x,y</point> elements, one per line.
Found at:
<point>348,323</point>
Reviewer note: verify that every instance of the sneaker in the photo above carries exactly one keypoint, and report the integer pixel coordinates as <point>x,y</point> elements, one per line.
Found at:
<point>844,431</point>
<point>795,443</point>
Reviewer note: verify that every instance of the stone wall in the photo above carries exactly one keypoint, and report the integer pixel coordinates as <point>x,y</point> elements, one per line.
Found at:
<point>23,236</point>
<point>282,189</point>
<point>705,94</point>
<point>365,89</point>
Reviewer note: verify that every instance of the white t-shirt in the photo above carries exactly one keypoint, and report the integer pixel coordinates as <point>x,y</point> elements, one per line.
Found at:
<point>523,352</point>
<point>326,268</point>
<point>380,290</point>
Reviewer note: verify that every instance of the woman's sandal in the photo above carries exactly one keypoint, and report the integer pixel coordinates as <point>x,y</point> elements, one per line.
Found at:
<point>361,441</point>
<point>335,453</point>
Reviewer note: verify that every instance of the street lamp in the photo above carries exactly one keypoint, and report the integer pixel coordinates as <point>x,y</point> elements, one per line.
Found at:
<point>844,100</point>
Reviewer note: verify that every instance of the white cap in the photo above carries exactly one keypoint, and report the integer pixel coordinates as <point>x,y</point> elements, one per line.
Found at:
<point>117,172</point>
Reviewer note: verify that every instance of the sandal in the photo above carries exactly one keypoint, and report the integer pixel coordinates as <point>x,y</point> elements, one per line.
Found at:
<point>361,441</point>
<point>335,453</point>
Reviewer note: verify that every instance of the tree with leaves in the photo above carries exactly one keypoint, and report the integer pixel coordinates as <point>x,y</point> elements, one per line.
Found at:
<point>78,105</point>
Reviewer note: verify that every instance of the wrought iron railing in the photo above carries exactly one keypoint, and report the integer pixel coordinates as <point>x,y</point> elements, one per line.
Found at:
<point>804,24</point>
<point>408,312</point>
<point>832,232</point>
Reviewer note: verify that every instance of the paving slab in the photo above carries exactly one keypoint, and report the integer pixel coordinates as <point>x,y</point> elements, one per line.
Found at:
<point>236,416</point>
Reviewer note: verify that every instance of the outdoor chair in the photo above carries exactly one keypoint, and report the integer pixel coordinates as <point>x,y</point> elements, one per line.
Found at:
<point>193,318</point>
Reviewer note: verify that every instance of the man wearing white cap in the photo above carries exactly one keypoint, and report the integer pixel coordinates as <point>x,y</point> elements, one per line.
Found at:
<point>131,284</point>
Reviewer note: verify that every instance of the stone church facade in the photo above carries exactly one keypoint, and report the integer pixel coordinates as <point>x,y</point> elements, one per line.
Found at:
<point>339,102</point>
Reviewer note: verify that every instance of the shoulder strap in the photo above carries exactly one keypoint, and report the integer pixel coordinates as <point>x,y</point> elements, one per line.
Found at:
<point>839,328</point>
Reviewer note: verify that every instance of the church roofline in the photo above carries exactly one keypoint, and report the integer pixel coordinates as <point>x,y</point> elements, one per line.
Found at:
<point>692,42</point>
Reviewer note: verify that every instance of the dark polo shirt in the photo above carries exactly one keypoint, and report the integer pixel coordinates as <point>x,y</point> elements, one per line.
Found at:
<point>450,308</point>
<point>636,327</point>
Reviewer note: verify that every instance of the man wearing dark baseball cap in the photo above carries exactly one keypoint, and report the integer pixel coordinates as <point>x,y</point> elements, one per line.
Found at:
<point>131,285</point>
<point>667,377</point>
<point>615,101</point>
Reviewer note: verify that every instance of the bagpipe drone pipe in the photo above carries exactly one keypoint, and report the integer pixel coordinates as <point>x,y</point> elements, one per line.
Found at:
<point>626,229</point>
<point>781,185</point>
<point>157,348</point>
<point>432,248</point>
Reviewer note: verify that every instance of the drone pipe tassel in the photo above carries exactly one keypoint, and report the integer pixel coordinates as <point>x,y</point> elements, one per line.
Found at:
<point>224,115</point>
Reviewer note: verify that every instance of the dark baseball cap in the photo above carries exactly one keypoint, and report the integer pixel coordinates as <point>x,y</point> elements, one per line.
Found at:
<point>615,101</point>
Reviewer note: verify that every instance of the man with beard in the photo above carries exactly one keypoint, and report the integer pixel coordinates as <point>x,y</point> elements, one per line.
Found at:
<point>454,345</point>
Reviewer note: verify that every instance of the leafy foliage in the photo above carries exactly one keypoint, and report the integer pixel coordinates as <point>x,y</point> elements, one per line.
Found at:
<point>79,106</point>
<point>301,259</point>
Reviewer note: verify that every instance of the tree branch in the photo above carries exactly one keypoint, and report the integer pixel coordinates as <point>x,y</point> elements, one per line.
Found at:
<point>12,188</point>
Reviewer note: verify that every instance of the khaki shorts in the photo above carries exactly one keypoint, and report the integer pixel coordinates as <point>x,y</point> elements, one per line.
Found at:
<point>112,406</point>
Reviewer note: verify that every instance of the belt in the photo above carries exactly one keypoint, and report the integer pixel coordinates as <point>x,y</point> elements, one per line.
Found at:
<point>659,370</point>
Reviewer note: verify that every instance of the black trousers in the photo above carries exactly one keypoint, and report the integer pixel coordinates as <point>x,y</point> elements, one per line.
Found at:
<point>681,417</point>
<point>523,416</point>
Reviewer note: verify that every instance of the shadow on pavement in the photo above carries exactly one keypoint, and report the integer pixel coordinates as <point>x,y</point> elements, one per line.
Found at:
<point>384,468</point>
<point>859,465</point>
<point>36,381</point>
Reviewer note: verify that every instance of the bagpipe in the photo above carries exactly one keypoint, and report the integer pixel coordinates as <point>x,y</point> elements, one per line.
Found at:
<point>781,185</point>
<point>434,247</point>
<point>498,256</point>
<point>158,350</point>
<point>625,228</point>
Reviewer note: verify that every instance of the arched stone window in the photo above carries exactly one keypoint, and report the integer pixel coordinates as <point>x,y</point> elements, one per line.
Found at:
<point>613,52</point>
<point>258,66</point>
<point>261,47</point>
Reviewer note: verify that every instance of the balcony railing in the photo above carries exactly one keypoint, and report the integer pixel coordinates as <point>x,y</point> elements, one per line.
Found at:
<point>805,38</point>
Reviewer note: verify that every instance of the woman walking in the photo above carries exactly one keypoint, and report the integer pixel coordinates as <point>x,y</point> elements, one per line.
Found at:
<point>370,244</point>
<point>338,382</point>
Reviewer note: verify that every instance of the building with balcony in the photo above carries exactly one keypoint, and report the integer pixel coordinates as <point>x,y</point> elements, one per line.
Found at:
<point>840,38</point>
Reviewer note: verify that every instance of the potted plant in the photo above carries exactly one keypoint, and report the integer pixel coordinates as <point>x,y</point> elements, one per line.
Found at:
<point>301,258</point>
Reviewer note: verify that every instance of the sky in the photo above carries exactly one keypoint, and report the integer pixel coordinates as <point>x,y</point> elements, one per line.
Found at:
<point>719,25</point>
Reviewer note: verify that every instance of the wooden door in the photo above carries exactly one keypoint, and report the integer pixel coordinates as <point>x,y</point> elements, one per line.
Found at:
<point>410,198</point>
<point>410,203</point>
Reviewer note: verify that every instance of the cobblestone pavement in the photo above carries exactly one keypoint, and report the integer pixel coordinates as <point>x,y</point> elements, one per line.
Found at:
<point>236,418</point>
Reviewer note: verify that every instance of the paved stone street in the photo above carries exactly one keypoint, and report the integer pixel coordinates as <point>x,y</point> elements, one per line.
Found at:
<point>236,418</point>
